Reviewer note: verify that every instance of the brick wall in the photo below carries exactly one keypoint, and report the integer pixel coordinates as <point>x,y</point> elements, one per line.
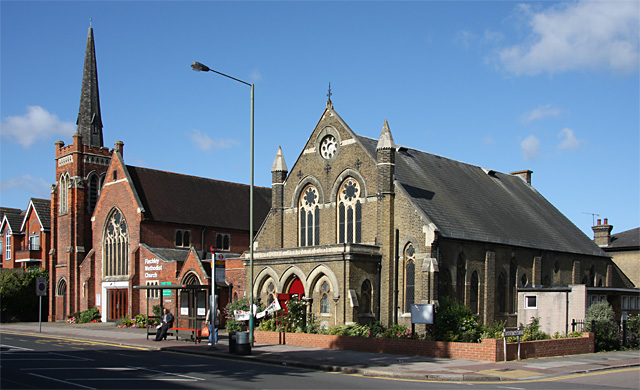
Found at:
<point>488,350</point>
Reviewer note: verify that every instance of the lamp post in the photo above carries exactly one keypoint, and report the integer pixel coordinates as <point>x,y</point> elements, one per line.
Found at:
<point>198,67</point>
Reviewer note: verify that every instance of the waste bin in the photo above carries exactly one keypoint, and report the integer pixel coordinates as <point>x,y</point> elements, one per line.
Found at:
<point>232,342</point>
<point>243,347</point>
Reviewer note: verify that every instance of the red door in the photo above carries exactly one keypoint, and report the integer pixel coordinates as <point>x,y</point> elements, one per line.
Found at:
<point>116,304</point>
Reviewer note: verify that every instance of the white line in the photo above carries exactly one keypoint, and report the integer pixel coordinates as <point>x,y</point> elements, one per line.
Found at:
<point>71,356</point>
<point>134,379</point>
<point>14,347</point>
<point>169,373</point>
<point>60,380</point>
<point>512,388</point>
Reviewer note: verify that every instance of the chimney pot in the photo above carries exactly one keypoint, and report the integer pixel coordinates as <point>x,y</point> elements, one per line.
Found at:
<point>606,221</point>
<point>598,221</point>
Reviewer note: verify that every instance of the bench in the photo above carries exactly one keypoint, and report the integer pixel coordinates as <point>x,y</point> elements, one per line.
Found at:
<point>196,334</point>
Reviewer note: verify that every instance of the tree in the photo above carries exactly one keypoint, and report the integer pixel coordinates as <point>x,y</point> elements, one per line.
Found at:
<point>18,299</point>
<point>606,329</point>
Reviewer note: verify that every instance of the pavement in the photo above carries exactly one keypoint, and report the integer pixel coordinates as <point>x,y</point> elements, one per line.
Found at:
<point>352,362</point>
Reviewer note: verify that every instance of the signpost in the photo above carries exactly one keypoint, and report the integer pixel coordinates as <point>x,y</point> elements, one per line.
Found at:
<point>41,291</point>
<point>511,332</point>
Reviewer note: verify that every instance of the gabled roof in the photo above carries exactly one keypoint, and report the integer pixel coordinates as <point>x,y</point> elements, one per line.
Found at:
<point>42,208</point>
<point>191,200</point>
<point>626,239</point>
<point>13,218</point>
<point>468,202</point>
<point>168,254</point>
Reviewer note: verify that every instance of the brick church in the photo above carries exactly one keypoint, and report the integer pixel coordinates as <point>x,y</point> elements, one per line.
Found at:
<point>116,226</point>
<point>362,228</point>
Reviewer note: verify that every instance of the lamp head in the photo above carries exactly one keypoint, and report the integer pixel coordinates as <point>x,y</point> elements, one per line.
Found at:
<point>198,67</point>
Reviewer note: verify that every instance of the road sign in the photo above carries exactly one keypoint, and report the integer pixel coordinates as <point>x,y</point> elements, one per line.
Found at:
<point>41,286</point>
<point>513,333</point>
<point>219,256</point>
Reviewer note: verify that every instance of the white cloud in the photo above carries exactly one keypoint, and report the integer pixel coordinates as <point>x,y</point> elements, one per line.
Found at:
<point>569,140</point>
<point>204,142</point>
<point>541,113</point>
<point>488,141</point>
<point>34,185</point>
<point>35,125</point>
<point>530,147</point>
<point>578,35</point>
<point>464,38</point>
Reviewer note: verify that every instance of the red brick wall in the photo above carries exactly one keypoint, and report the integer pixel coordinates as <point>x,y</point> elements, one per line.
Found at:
<point>489,350</point>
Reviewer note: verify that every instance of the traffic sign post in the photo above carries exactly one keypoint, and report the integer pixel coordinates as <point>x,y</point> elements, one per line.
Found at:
<point>41,291</point>
<point>511,332</point>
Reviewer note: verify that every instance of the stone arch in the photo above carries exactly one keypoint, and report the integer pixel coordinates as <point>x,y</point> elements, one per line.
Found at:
<point>317,273</point>
<point>289,275</point>
<point>191,277</point>
<point>333,196</point>
<point>265,274</point>
<point>303,183</point>
<point>61,287</point>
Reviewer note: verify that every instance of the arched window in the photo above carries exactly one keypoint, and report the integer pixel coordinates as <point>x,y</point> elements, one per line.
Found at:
<point>365,297</point>
<point>63,193</point>
<point>349,212</point>
<point>444,283</point>
<point>309,212</point>
<point>94,191</point>
<point>513,282</point>
<point>501,293</point>
<point>271,293</point>
<point>473,299</point>
<point>116,245</point>
<point>61,288</point>
<point>409,277</point>
<point>524,280</point>
<point>325,307</point>
<point>461,278</point>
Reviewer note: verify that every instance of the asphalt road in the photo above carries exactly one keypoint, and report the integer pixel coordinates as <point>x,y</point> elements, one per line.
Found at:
<point>45,362</point>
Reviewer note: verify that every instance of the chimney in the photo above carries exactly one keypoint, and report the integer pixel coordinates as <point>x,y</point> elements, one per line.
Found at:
<point>602,233</point>
<point>524,175</point>
<point>120,147</point>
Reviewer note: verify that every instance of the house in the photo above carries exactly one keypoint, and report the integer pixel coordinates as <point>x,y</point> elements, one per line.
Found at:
<point>117,226</point>
<point>363,228</point>
<point>26,235</point>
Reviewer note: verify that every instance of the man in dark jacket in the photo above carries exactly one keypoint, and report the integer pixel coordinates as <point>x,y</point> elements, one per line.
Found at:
<point>167,322</point>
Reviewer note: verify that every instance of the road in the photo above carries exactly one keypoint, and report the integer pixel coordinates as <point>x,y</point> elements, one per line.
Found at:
<point>44,362</point>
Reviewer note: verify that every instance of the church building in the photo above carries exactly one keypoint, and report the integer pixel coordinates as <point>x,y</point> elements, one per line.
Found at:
<point>362,229</point>
<point>116,226</point>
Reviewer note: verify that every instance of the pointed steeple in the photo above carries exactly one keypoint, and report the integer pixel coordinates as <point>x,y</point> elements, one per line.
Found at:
<point>386,140</point>
<point>278,163</point>
<point>89,119</point>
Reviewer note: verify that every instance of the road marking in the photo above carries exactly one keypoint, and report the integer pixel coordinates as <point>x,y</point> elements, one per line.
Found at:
<point>84,342</point>
<point>12,347</point>
<point>62,381</point>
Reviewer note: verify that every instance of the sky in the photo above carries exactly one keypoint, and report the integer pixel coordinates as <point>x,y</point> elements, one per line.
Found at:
<point>547,86</point>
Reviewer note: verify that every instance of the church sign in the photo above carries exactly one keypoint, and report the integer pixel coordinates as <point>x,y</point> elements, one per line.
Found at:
<point>151,266</point>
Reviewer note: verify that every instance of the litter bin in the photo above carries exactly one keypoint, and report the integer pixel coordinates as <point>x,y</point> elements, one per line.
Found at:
<point>242,343</point>
<point>232,342</point>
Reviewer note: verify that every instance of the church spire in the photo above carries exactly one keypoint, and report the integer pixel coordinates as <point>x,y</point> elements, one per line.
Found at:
<point>89,119</point>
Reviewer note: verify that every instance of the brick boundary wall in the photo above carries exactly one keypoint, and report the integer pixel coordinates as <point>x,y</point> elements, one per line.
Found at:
<point>490,350</point>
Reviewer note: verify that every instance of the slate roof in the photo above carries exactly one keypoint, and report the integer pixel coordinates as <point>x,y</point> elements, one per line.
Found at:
<point>626,239</point>
<point>469,202</point>
<point>13,217</point>
<point>191,200</point>
<point>43,208</point>
<point>168,254</point>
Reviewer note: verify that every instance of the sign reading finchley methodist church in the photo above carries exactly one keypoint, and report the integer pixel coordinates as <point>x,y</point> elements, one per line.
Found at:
<point>152,265</point>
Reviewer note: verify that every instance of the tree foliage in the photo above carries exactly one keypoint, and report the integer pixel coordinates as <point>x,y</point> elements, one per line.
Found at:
<point>606,329</point>
<point>18,299</point>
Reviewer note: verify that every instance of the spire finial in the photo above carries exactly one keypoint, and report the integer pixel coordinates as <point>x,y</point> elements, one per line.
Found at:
<point>90,25</point>
<point>329,103</point>
<point>329,94</point>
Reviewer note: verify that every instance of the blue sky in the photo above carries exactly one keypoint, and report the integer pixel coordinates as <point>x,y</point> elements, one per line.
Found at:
<point>547,86</point>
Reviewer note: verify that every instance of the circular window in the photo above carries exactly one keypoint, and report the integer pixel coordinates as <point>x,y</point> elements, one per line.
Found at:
<point>328,147</point>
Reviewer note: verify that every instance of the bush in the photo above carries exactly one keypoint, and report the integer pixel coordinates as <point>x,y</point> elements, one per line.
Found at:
<point>633,331</point>
<point>90,315</point>
<point>455,322</point>
<point>18,301</point>
<point>232,325</point>
<point>493,331</point>
<point>397,332</point>
<point>606,328</point>
<point>532,331</point>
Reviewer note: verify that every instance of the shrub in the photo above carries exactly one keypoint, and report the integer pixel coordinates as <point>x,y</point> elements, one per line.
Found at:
<point>575,333</point>
<point>633,331</point>
<point>18,301</point>
<point>397,331</point>
<point>493,331</point>
<point>455,322</point>
<point>90,315</point>
<point>532,331</point>
<point>606,328</point>
<point>232,325</point>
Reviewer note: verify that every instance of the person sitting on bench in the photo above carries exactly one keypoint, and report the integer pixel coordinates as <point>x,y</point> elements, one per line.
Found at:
<point>167,322</point>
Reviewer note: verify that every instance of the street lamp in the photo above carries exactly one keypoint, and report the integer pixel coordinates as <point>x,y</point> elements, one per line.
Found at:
<point>198,67</point>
